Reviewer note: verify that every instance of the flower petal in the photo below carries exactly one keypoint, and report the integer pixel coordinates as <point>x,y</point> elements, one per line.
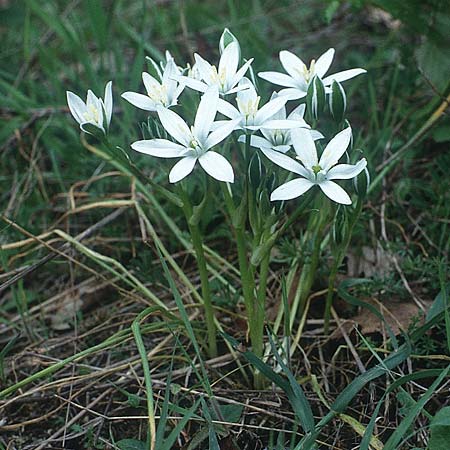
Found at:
<point>182,168</point>
<point>205,69</point>
<point>173,96</point>
<point>175,126</point>
<point>228,109</point>
<point>335,192</point>
<point>197,85</point>
<point>108,102</point>
<point>206,113</point>
<point>256,141</point>
<point>282,148</point>
<point>291,189</point>
<point>92,100</point>
<point>284,124</point>
<point>140,101</point>
<point>335,149</point>
<point>270,109</point>
<point>280,79</point>
<point>316,135</point>
<point>293,93</point>
<point>304,147</point>
<point>221,133</point>
<point>76,106</point>
<point>248,94</point>
<point>346,171</point>
<point>298,112</point>
<point>217,166</point>
<point>161,148</point>
<point>342,76</point>
<point>324,62</point>
<point>150,83</point>
<point>229,61</point>
<point>241,72</point>
<point>293,65</point>
<point>285,162</point>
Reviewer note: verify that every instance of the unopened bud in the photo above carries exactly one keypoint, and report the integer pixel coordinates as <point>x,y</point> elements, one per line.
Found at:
<point>227,38</point>
<point>315,98</point>
<point>337,101</point>
<point>361,183</point>
<point>340,226</point>
<point>255,170</point>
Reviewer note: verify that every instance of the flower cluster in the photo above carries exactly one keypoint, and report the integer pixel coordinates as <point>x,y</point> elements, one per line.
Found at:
<point>230,103</point>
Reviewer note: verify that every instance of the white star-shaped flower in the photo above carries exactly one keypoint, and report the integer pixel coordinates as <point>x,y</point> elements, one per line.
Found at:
<point>195,143</point>
<point>226,77</point>
<point>95,111</point>
<point>280,139</point>
<point>299,75</point>
<point>159,93</point>
<point>314,171</point>
<point>249,113</point>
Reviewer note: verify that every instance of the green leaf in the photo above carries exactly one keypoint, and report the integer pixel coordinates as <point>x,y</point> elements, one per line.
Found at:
<point>440,429</point>
<point>438,305</point>
<point>434,63</point>
<point>442,133</point>
<point>131,444</point>
<point>401,429</point>
<point>231,413</point>
<point>292,389</point>
<point>331,10</point>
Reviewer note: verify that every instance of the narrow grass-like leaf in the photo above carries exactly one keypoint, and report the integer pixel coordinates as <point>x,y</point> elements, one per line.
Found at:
<point>135,327</point>
<point>402,429</point>
<point>429,373</point>
<point>297,398</point>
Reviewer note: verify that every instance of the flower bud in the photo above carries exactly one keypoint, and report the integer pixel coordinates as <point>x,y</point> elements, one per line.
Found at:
<point>227,38</point>
<point>255,170</point>
<point>315,98</point>
<point>154,68</point>
<point>337,101</point>
<point>94,130</point>
<point>361,183</point>
<point>264,203</point>
<point>340,226</point>
<point>271,182</point>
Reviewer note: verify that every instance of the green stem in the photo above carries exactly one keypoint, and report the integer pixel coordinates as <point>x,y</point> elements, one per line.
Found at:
<point>197,243</point>
<point>309,269</point>
<point>257,321</point>
<point>260,310</point>
<point>247,280</point>
<point>337,263</point>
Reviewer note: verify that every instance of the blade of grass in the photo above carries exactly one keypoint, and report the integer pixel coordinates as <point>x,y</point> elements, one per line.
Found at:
<point>135,327</point>
<point>402,429</point>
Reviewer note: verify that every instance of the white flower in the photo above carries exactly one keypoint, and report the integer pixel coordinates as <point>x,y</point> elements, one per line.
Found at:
<point>95,111</point>
<point>159,68</point>
<point>164,93</point>
<point>314,171</point>
<point>250,115</point>
<point>226,77</point>
<point>280,139</point>
<point>194,143</point>
<point>298,75</point>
